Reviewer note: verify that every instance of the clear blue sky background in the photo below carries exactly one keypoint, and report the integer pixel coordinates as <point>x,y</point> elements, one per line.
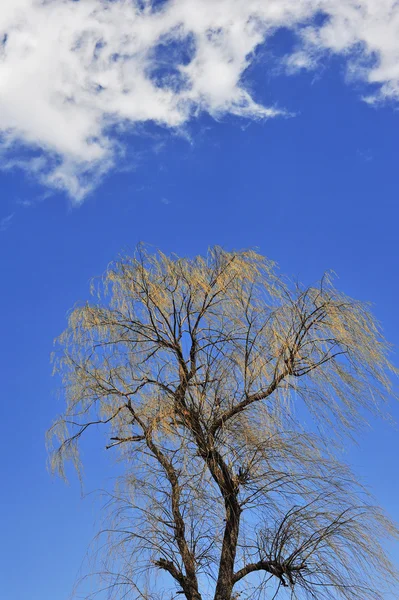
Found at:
<point>314,191</point>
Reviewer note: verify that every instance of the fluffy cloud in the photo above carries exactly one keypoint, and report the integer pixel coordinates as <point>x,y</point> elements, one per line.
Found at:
<point>73,71</point>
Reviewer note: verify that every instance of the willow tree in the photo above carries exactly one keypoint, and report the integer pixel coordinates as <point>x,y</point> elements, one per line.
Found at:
<point>223,389</point>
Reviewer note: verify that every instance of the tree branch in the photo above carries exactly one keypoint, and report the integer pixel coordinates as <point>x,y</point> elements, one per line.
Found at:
<point>269,566</point>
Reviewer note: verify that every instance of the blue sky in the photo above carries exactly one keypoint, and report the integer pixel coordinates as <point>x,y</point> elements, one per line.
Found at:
<point>291,160</point>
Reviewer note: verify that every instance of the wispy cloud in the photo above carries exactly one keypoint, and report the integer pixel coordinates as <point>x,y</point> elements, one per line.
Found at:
<point>73,72</point>
<point>25,203</point>
<point>5,222</point>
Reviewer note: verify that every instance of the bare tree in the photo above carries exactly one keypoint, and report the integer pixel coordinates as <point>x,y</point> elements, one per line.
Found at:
<point>224,389</point>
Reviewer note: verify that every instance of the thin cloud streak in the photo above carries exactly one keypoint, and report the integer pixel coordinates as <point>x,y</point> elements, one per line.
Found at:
<point>5,222</point>
<point>71,73</point>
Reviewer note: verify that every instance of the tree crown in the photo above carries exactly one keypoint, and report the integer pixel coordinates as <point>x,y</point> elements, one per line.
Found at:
<point>199,367</point>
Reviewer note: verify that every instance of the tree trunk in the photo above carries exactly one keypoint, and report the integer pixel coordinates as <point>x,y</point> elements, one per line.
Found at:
<point>224,585</point>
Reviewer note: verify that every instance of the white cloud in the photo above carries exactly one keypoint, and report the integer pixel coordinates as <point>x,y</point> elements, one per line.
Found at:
<point>72,70</point>
<point>5,222</point>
